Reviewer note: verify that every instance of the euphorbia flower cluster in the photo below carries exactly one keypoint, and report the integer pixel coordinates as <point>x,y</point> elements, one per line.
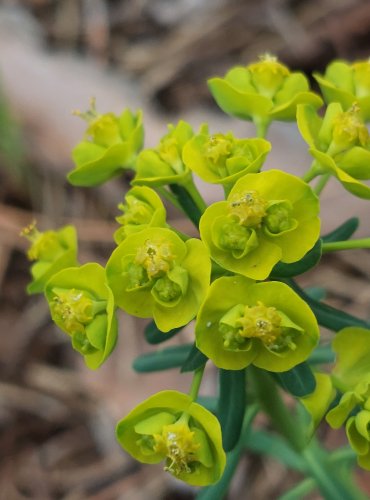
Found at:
<point>235,279</point>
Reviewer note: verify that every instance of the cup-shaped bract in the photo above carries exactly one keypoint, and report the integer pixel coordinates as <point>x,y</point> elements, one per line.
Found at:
<point>222,158</point>
<point>267,217</point>
<point>170,426</point>
<point>154,274</point>
<point>352,377</point>
<point>82,305</point>
<point>164,164</point>
<point>142,208</point>
<point>111,144</point>
<point>347,83</point>
<point>339,143</point>
<point>358,433</point>
<point>265,324</point>
<point>52,251</point>
<point>262,91</point>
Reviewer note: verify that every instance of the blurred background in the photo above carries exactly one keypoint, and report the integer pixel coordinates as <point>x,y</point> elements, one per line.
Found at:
<point>56,418</point>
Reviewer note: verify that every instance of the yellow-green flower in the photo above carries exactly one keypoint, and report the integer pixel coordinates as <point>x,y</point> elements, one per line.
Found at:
<point>351,375</point>
<point>51,251</point>
<point>153,273</point>
<point>170,427</point>
<point>82,305</point>
<point>347,83</point>
<point>267,217</point>
<point>340,145</point>
<point>222,158</point>
<point>111,144</point>
<point>265,324</point>
<point>262,91</point>
<point>164,164</point>
<point>143,208</point>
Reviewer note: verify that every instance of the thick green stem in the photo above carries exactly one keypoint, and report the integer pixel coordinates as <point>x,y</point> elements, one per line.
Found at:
<point>261,127</point>
<point>312,172</point>
<point>345,245</point>
<point>197,380</point>
<point>300,491</point>
<point>169,196</point>
<point>321,183</point>
<point>196,196</point>
<point>331,485</point>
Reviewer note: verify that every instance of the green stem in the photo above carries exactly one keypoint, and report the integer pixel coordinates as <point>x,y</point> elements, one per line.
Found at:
<point>195,384</point>
<point>312,172</point>
<point>321,183</point>
<point>345,245</point>
<point>331,486</point>
<point>187,203</point>
<point>169,196</point>
<point>196,196</point>
<point>261,127</point>
<point>300,491</point>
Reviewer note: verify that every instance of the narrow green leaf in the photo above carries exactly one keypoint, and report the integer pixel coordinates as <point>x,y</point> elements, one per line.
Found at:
<point>295,268</point>
<point>301,490</point>
<point>299,381</point>
<point>164,359</point>
<point>231,406</point>
<point>187,203</point>
<point>275,446</point>
<point>342,232</point>
<point>316,292</point>
<point>194,360</point>
<point>326,315</point>
<point>154,336</point>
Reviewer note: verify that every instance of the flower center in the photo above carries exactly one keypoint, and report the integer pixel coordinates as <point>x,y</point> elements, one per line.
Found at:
<point>73,309</point>
<point>156,259</point>
<point>217,149</point>
<point>103,129</point>
<point>268,75</point>
<point>135,212</point>
<point>250,208</point>
<point>349,130</point>
<point>45,246</point>
<point>169,151</point>
<point>247,322</point>
<point>178,444</point>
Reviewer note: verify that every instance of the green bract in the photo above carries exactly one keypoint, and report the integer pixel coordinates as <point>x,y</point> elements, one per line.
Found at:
<point>111,145</point>
<point>265,324</point>
<point>52,251</point>
<point>262,91</point>
<point>143,208</point>
<point>347,83</point>
<point>340,144</point>
<point>352,376</point>
<point>170,426</point>
<point>222,159</point>
<point>267,217</point>
<point>154,273</point>
<point>82,305</point>
<point>318,402</point>
<point>164,165</point>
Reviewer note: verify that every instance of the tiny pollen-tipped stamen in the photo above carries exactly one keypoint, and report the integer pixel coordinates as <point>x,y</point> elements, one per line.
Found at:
<point>88,115</point>
<point>30,231</point>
